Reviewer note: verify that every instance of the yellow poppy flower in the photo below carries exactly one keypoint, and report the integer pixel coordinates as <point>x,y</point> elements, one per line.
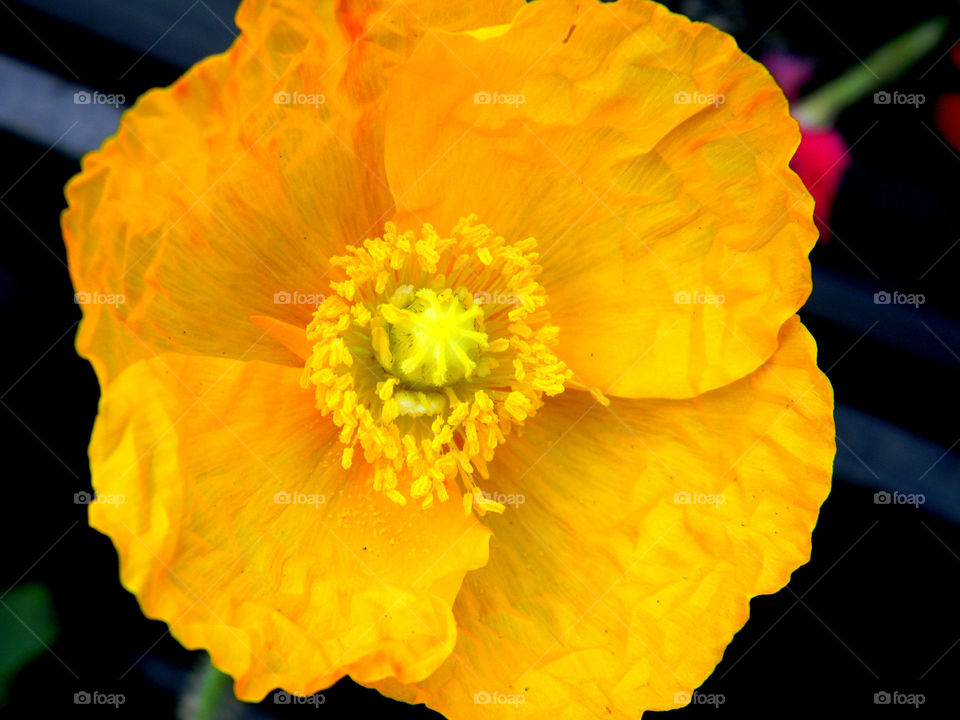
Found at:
<point>458,352</point>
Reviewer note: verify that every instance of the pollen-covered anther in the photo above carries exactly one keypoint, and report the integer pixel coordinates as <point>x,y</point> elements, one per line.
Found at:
<point>429,352</point>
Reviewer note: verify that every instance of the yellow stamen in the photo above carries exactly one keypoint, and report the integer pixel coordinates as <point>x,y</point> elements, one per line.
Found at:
<point>430,351</point>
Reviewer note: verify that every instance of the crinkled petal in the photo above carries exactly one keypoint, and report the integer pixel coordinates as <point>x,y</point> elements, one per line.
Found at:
<point>647,155</point>
<point>384,34</point>
<point>221,198</point>
<point>643,532</point>
<point>222,488</point>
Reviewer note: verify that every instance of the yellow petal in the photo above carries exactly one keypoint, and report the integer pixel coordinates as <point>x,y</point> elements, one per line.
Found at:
<point>222,489</point>
<point>647,155</point>
<point>221,198</point>
<point>643,532</point>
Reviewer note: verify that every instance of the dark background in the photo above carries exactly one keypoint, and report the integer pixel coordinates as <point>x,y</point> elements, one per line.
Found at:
<point>875,609</point>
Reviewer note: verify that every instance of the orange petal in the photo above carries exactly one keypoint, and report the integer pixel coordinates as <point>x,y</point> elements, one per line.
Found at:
<point>218,196</point>
<point>222,489</point>
<point>384,34</point>
<point>643,532</point>
<point>647,155</point>
<point>292,337</point>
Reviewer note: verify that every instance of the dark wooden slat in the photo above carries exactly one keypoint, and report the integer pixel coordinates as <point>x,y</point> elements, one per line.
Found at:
<point>46,109</point>
<point>855,308</point>
<point>879,455</point>
<point>180,32</point>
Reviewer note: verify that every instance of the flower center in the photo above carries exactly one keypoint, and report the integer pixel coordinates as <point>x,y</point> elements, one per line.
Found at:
<point>434,339</point>
<point>430,352</point>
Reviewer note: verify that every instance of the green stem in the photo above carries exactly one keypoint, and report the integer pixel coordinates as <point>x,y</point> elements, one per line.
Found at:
<point>213,688</point>
<point>882,67</point>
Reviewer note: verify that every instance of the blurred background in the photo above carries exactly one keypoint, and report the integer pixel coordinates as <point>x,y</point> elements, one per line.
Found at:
<point>870,626</point>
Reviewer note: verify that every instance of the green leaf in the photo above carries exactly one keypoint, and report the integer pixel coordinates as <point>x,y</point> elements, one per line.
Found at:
<point>28,624</point>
